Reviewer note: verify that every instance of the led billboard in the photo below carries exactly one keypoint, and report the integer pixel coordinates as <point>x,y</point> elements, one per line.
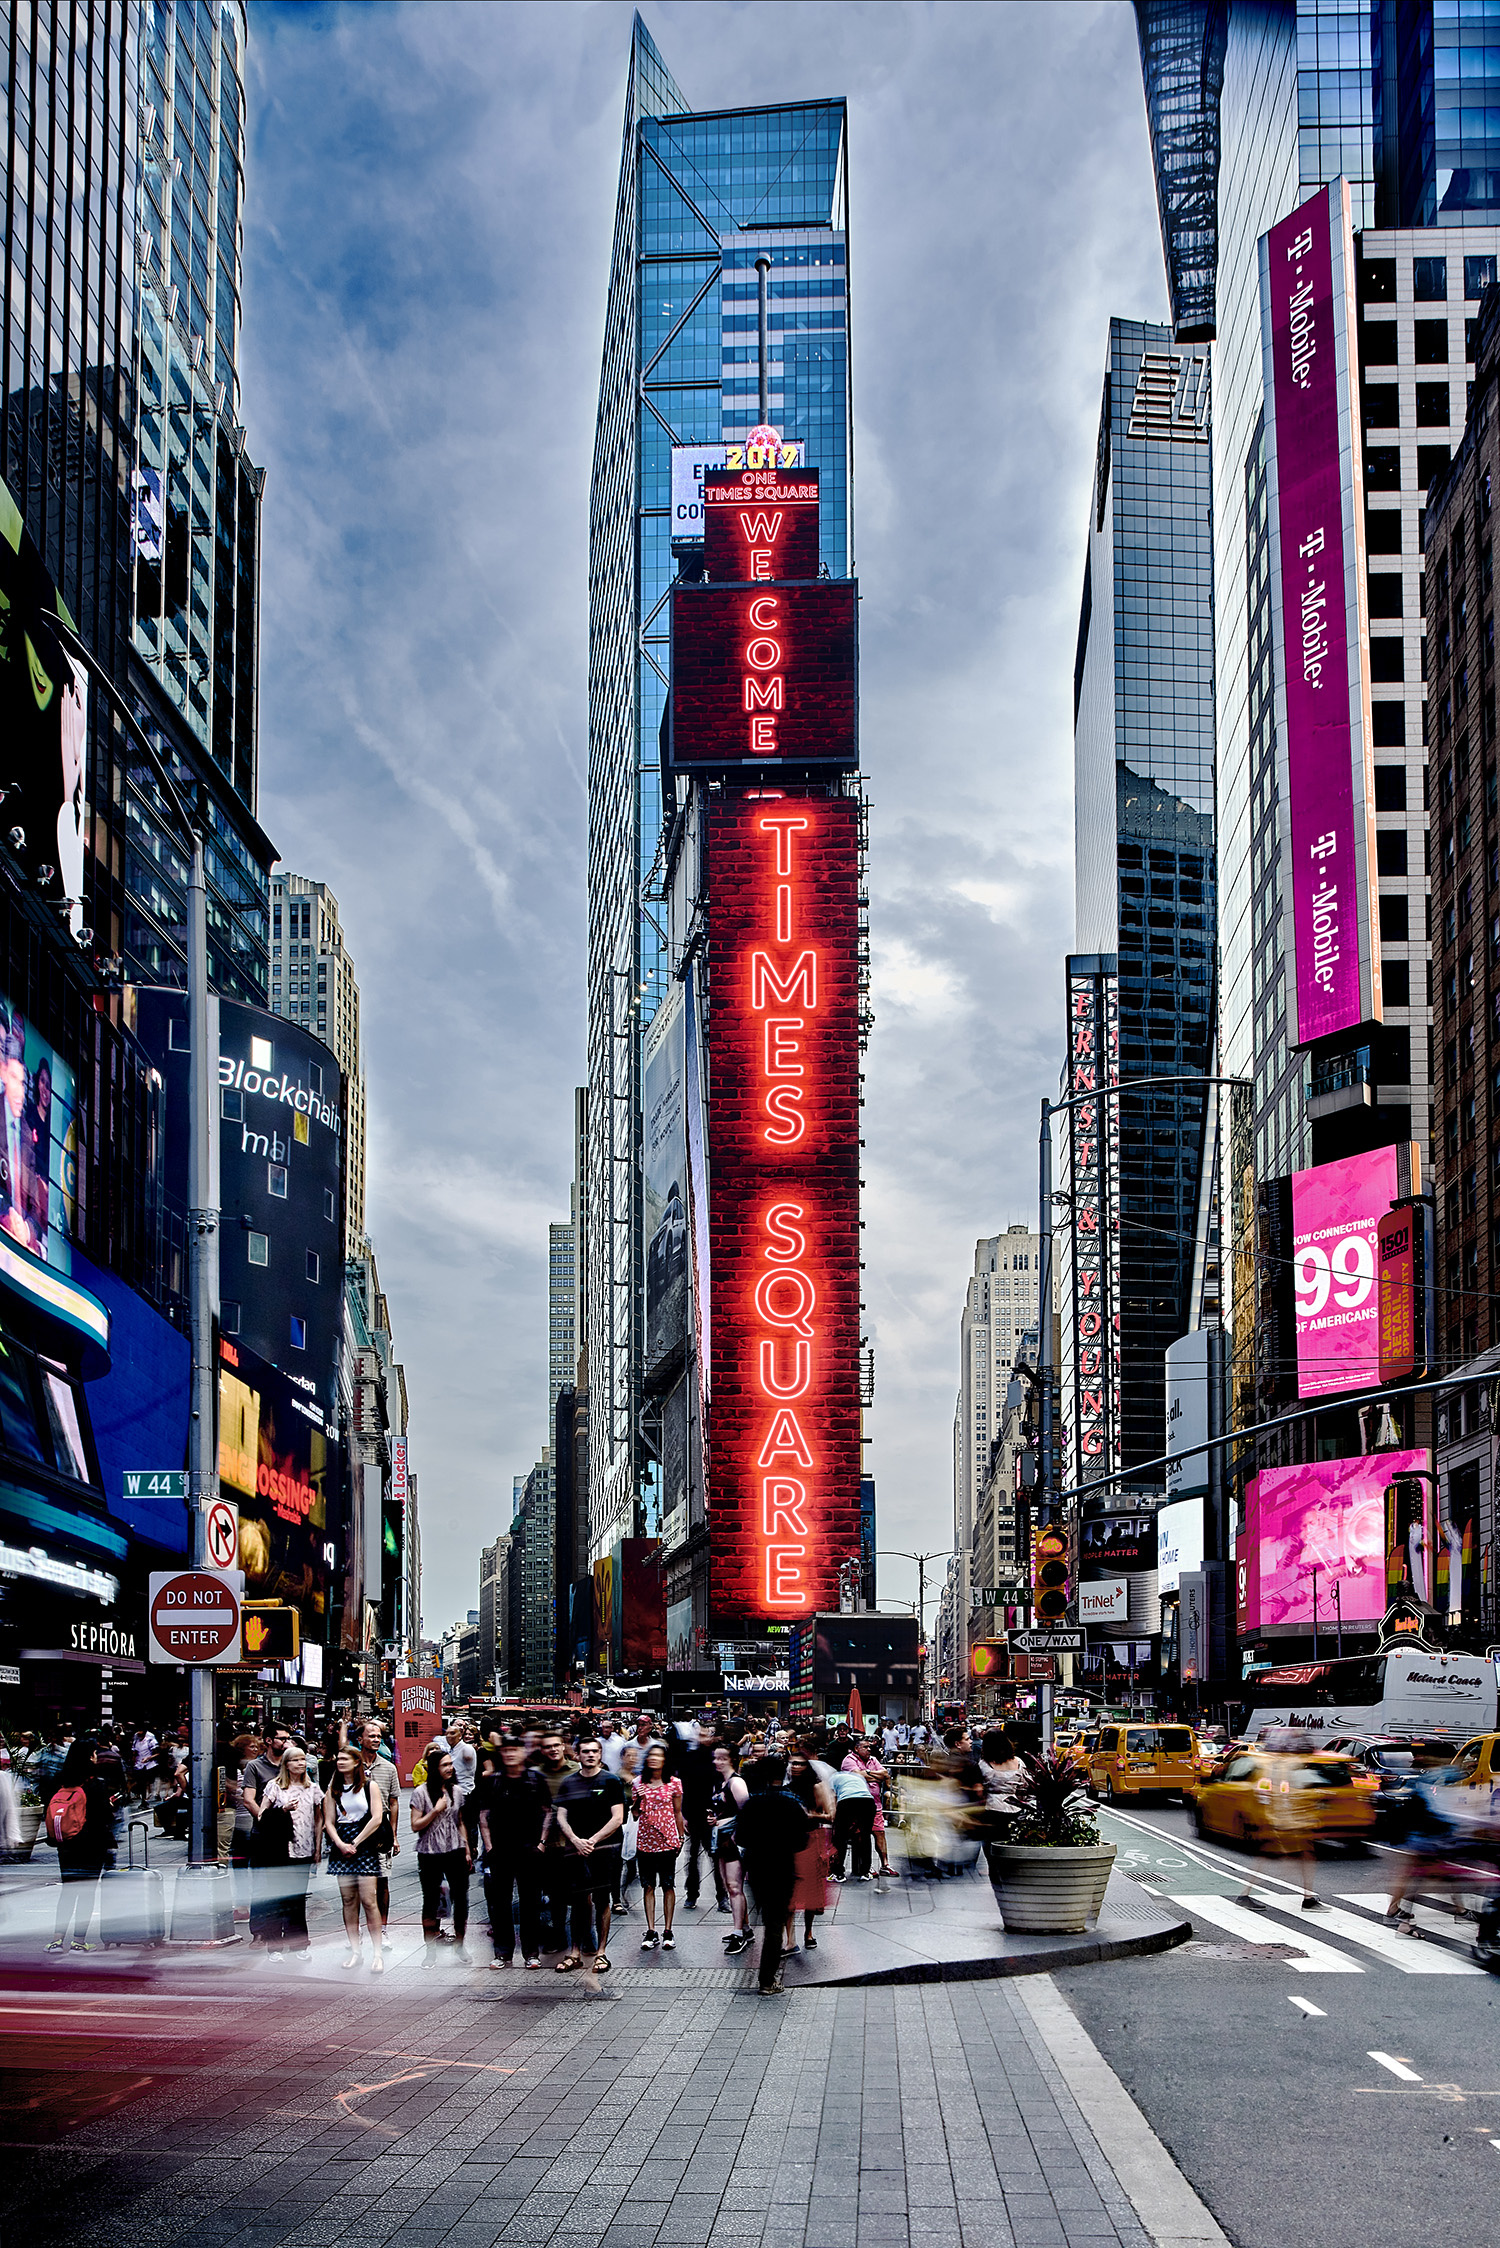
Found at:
<point>1328,1517</point>
<point>664,1185</point>
<point>278,1462</point>
<point>1336,1214</point>
<point>690,463</point>
<point>44,722</point>
<point>38,1142</point>
<point>783,1127</point>
<point>1179,1542</point>
<point>760,524</point>
<point>1319,611</point>
<point>1092,1376</point>
<point>764,675</point>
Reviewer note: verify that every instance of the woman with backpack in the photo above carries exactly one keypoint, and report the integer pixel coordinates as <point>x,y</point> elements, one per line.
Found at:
<point>81,1823</point>
<point>354,1818</point>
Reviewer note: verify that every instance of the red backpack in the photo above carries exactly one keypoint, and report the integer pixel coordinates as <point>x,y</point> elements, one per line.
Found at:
<point>66,1814</point>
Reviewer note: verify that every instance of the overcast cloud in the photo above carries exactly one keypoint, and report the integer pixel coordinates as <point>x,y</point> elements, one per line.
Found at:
<point>430,203</point>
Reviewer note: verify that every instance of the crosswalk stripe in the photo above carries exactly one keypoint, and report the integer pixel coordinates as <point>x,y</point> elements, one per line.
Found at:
<point>1397,1951</point>
<point>1317,1959</point>
<point>1425,1916</point>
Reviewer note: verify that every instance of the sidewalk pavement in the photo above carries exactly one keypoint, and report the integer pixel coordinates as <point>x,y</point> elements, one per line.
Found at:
<point>395,2115</point>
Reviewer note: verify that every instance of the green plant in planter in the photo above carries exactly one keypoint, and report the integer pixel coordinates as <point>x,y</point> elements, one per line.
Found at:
<point>1052,1810</point>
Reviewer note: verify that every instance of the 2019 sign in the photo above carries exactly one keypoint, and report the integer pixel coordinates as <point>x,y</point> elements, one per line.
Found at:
<point>784,1458</point>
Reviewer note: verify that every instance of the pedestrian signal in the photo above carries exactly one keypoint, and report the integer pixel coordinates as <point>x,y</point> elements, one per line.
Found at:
<point>984,1658</point>
<point>1051,1576</point>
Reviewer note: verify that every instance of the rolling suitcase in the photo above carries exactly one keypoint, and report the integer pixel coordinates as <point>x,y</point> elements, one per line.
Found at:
<point>133,1899</point>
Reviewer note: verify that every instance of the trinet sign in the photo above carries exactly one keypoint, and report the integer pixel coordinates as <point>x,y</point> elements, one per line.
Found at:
<point>784,1457</point>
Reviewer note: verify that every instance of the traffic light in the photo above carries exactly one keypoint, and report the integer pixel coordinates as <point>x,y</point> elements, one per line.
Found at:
<point>984,1659</point>
<point>1051,1575</point>
<point>270,1635</point>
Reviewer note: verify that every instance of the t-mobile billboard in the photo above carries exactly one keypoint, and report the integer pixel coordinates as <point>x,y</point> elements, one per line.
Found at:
<point>1321,1526</point>
<point>1319,611</point>
<point>1336,1213</point>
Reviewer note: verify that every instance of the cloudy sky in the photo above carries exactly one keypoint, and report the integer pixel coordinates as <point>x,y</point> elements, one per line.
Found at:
<point>430,201</point>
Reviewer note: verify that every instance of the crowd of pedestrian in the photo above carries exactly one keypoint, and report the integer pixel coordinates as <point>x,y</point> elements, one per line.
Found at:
<point>562,1828</point>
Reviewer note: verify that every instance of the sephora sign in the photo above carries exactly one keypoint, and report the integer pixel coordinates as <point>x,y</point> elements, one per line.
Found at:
<point>784,1458</point>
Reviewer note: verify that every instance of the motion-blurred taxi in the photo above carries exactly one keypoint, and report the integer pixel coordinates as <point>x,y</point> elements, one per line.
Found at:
<point>1478,1761</point>
<point>1138,1759</point>
<point>1280,1801</point>
<point>1079,1750</point>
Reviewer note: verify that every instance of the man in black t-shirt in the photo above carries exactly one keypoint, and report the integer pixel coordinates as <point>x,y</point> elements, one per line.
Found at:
<point>769,1830</point>
<point>588,1814</point>
<point>512,1814</point>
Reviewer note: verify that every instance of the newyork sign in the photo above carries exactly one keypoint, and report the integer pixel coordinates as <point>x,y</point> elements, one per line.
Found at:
<point>784,1455</point>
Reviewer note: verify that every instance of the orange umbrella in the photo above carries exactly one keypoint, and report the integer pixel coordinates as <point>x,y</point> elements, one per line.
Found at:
<point>856,1711</point>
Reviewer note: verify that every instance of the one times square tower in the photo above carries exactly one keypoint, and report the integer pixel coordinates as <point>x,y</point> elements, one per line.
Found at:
<point>703,196</point>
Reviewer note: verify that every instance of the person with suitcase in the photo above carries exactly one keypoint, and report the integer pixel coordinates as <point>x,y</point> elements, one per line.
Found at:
<point>132,1899</point>
<point>80,1821</point>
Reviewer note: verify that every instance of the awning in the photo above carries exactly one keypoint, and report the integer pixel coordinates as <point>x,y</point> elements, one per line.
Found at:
<point>52,1295</point>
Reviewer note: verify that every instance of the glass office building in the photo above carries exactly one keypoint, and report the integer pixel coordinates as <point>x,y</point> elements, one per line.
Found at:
<point>195,519</point>
<point>702,194</point>
<point>1144,842</point>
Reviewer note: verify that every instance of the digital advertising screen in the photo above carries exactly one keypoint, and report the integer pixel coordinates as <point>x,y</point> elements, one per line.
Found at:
<point>38,1142</point>
<point>1179,1542</point>
<point>1328,1516</point>
<point>278,1462</point>
<point>760,523</point>
<point>765,675</point>
<point>878,1654</point>
<point>783,1128</point>
<point>44,721</point>
<point>665,1183</point>
<point>1336,1214</point>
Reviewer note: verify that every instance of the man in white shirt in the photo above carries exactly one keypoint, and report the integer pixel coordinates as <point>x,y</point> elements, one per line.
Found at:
<point>612,1742</point>
<point>890,1738</point>
<point>903,1732</point>
<point>465,1757</point>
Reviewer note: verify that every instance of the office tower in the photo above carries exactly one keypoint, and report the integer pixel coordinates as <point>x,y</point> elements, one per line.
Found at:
<point>1000,1306</point>
<point>534,1540</point>
<point>562,1341</point>
<point>702,195</point>
<point>195,509</point>
<point>1143,747</point>
<point>313,982</point>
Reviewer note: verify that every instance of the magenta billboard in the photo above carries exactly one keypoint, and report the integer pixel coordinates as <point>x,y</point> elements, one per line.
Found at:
<point>1317,1527</point>
<point>1336,1210</point>
<point>1317,511</point>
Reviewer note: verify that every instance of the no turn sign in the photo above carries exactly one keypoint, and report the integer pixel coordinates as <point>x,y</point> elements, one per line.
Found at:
<point>193,1616</point>
<point>222,1535</point>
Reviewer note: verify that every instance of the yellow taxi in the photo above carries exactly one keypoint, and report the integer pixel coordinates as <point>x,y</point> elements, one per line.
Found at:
<point>1280,1802</point>
<point>1478,1761</point>
<point>1143,1759</point>
<point>1079,1750</point>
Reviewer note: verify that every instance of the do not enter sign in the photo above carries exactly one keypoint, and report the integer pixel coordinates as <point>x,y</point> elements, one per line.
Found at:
<point>194,1616</point>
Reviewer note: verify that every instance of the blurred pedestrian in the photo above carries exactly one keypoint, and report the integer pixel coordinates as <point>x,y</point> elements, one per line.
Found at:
<point>693,1765</point>
<point>380,1772</point>
<point>730,1794</point>
<point>142,1760</point>
<point>354,1813</point>
<point>770,1831</point>
<point>80,1818</point>
<point>443,1849</point>
<point>661,1830</point>
<point>513,1807</point>
<point>877,1778</point>
<point>552,1765</point>
<point>257,1776</point>
<point>853,1819</point>
<point>810,1870</point>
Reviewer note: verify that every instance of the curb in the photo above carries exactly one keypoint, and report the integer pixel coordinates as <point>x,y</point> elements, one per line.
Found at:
<point>1089,1952</point>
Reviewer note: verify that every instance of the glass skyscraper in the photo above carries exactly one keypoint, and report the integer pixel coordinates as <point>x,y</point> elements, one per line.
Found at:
<point>702,194</point>
<point>196,506</point>
<point>1144,839</point>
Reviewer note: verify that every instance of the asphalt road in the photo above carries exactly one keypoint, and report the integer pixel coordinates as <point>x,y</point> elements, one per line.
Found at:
<point>1258,2067</point>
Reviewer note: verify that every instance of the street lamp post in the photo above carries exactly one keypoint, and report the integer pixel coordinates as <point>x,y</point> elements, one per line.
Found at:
<point>899,1553</point>
<point>203,1237</point>
<point>1046,1501</point>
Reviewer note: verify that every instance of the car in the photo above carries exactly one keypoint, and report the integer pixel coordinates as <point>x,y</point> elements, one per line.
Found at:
<point>1278,1801</point>
<point>1478,1761</point>
<point>1149,1759</point>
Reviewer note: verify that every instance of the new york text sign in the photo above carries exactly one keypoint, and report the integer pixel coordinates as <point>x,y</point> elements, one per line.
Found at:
<point>765,675</point>
<point>784,1459</point>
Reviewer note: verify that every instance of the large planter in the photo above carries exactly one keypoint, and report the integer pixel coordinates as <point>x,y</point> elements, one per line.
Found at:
<point>1057,1890</point>
<point>29,1818</point>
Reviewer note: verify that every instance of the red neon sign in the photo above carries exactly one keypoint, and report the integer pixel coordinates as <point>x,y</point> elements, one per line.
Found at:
<point>765,675</point>
<point>784,1455</point>
<point>760,523</point>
